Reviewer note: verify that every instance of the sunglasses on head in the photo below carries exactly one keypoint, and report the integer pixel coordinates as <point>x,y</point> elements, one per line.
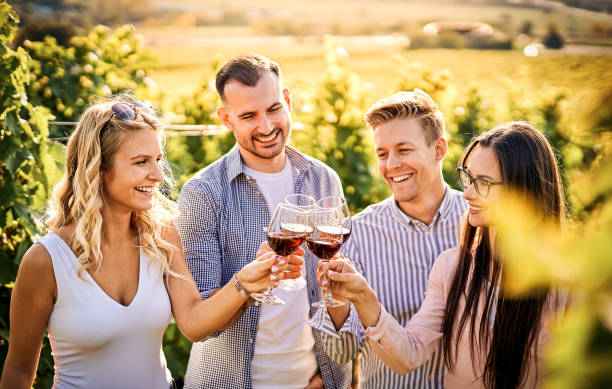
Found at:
<point>125,111</point>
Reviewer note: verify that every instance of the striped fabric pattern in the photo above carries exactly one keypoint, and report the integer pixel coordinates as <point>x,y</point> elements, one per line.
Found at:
<point>395,253</point>
<point>222,215</point>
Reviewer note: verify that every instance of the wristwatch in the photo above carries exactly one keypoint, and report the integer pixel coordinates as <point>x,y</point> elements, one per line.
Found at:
<point>238,286</point>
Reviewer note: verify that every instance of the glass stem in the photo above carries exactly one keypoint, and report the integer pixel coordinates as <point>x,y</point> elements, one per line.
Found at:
<point>326,296</point>
<point>268,291</point>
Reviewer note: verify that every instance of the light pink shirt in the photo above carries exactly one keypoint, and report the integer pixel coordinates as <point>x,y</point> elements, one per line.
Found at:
<point>404,349</point>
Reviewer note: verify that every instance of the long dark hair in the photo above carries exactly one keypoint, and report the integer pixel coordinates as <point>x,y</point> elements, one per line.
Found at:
<point>528,166</point>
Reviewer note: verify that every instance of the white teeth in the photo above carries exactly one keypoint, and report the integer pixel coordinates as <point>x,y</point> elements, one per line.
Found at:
<point>476,208</point>
<point>146,189</point>
<point>267,138</point>
<point>401,178</point>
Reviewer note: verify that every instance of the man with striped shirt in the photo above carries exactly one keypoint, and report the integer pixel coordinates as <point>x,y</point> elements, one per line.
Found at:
<point>394,243</point>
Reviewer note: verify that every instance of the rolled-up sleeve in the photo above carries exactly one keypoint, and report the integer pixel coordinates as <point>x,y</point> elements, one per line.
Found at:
<point>342,345</point>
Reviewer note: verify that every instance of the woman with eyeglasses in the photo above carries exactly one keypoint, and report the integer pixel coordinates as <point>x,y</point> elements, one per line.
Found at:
<point>106,278</point>
<point>489,339</point>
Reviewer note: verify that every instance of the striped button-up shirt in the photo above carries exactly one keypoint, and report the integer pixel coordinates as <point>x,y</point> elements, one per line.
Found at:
<point>394,253</point>
<point>221,225</point>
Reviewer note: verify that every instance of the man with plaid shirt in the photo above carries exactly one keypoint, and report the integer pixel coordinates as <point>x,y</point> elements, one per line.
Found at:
<point>224,209</point>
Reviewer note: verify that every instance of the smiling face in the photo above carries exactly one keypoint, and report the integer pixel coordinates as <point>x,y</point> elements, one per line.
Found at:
<point>259,117</point>
<point>484,164</point>
<point>409,165</point>
<point>135,172</point>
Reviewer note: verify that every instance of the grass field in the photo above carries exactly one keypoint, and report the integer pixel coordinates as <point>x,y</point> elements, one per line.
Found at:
<point>183,68</point>
<point>381,13</point>
<point>186,51</point>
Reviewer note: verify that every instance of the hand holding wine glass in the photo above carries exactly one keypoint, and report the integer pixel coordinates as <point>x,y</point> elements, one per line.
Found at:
<point>325,242</point>
<point>343,281</point>
<point>265,270</point>
<point>285,234</point>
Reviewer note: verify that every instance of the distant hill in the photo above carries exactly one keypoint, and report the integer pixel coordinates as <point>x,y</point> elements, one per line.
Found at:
<point>593,5</point>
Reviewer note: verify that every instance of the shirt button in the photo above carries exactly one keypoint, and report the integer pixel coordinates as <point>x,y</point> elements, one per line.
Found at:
<point>256,303</point>
<point>251,340</point>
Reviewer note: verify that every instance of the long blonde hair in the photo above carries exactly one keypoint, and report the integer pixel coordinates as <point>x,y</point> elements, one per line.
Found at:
<point>78,198</point>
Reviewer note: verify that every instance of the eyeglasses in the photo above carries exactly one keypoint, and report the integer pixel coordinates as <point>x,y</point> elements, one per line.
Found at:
<point>125,111</point>
<point>481,185</point>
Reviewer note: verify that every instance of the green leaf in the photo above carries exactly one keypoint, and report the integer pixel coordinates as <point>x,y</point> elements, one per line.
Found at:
<point>7,191</point>
<point>8,268</point>
<point>23,212</point>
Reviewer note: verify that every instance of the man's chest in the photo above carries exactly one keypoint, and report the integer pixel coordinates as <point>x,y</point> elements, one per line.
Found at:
<point>397,263</point>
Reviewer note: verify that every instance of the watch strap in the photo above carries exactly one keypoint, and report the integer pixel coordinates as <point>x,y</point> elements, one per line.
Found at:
<point>239,287</point>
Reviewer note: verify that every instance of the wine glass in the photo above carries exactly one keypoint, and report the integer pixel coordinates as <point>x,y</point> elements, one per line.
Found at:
<point>303,202</point>
<point>342,206</point>
<point>285,233</point>
<point>324,243</point>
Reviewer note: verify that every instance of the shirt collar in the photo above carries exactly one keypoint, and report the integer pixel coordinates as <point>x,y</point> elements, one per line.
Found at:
<point>443,211</point>
<point>234,163</point>
<point>398,214</point>
<point>446,208</point>
<point>235,166</point>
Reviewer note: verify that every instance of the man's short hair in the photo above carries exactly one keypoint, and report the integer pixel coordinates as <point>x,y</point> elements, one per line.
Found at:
<point>247,69</point>
<point>408,105</point>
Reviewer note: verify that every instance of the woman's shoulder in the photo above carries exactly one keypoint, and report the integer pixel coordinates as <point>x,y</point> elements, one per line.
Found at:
<point>449,257</point>
<point>446,263</point>
<point>36,258</point>
<point>36,267</point>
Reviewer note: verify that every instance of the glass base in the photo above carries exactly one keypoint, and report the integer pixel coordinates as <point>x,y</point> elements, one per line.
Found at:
<point>325,303</point>
<point>267,298</point>
<point>292,285</point>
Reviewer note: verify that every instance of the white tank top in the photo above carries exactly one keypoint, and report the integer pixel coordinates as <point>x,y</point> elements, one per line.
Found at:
<point>98,343</point>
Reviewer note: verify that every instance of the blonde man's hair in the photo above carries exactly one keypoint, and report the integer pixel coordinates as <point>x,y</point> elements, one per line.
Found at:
<point>408,105</point>
<point>79,197</point>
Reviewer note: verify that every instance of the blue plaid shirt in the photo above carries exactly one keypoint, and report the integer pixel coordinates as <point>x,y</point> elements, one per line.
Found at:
<point>221,220</point>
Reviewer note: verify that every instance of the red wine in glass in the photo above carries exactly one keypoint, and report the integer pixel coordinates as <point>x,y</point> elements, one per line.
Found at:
<point>285,232</point>
<point>297,226</point>
<point>324,243</point>
<point>324,248</point>
<point>284,244</point>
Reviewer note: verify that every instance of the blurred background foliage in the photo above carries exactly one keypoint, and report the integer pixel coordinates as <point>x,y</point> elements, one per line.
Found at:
<point>576,261</point>
<point>30,164</point>
<point>98,64</point>
<point>56,78</point>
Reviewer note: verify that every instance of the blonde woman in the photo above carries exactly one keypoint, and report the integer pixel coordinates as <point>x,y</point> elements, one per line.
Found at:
<point>106,278</point>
